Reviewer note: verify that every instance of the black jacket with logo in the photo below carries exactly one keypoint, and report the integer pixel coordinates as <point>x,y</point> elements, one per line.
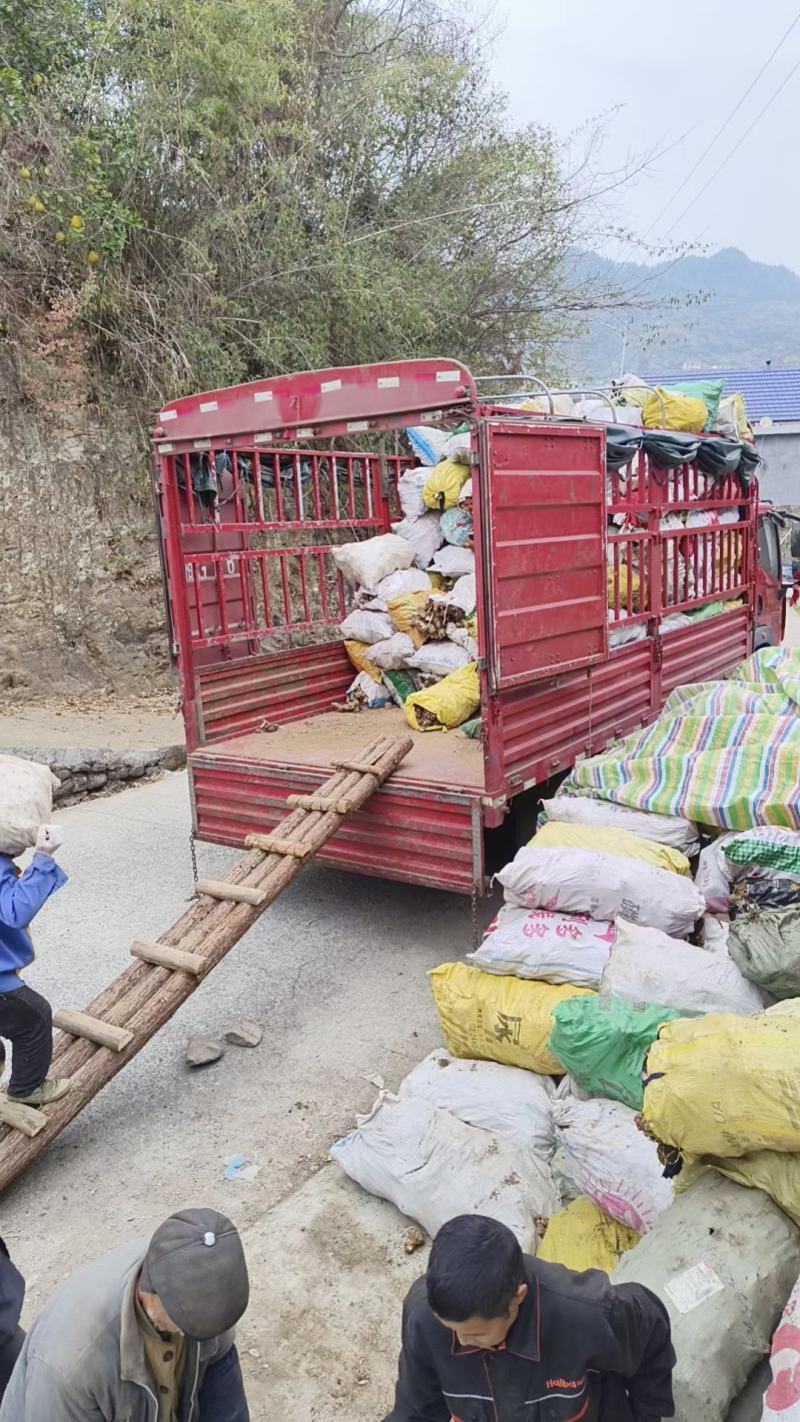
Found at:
<point>581,1350</point>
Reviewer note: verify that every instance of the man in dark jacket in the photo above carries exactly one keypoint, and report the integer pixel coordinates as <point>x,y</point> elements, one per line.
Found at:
<point>12,1294</point>
<point>492,1335</point>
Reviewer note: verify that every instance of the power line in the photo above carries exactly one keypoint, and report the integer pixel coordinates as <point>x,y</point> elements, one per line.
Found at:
<point>734,111</point>
<point>736,147</point>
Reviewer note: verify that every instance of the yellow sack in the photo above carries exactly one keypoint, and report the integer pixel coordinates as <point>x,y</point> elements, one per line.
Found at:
<point>582,1237</point>
<point>498,1019</point>
<point>666,410</point>
<point>358,652</point>
<point>772,1171</point>
<point>725,1086</point>
<point>444,484</point>
<point>403,610</point>
<point>448,704</point>
<point>437,581</point>
<point>624,574</point>
<point>554,835</point>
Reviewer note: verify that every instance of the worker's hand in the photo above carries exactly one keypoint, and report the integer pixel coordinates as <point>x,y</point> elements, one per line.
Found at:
<point>49,839</point>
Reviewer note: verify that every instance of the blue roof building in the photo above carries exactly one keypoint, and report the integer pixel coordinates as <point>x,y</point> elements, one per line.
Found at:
<point>771,393</point>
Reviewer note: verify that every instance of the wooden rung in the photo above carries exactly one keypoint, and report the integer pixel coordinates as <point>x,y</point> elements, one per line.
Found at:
<point>357,767</point>
<point>165,956</point>
<point>322,803</point>
<point>271,844</point>
<point>23,1118</point>
<point>103,1034</point>
<point>231,893</point>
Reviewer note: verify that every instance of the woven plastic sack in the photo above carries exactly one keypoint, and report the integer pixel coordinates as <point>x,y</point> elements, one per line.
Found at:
<point>406,580</point>
<point>648,966</point>
<point>432,1167</point>
<point>422,535</point>
<point>544,946</point>
<point>400,685</point>
<point>512,1103</point>
<point>766,947</point>
<point>782,1397</point>
<point>603,814</point>
<point>765,852</point>
<point>26,802</point>
<point>366,564</point>
<point>497,1019</point>
<point>409,492</point>
<point>667,411</point>
<point>602,1043</point>
<point>444,484</point>
<point>403,612</point>
<point>363,626</point>
<point>611,841</point>
<point>439,658</point>
<point>709,391</point>
<point>725,1085</point>
<point>358,652</point>
<point>775,1172</point>
<point>448,704</point>
<point>723,1260</point>
<point>454,562</point>
<point>602,885</point>
<point>605,1155</point>
<point>617,584</point>
<point>456,525</point>
<point>582,1237</point>
<point>427,443</point>
<point>393,653</point>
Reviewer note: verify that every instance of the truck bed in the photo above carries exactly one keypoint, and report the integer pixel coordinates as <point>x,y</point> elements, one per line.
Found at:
<point>437,758</point>
<point>424,825</point>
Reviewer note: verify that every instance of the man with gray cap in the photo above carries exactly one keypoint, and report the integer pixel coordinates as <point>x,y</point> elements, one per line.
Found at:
<point>144,1333</point>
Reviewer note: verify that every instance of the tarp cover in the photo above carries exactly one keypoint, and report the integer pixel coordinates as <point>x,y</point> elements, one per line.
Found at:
<point>723,754</point>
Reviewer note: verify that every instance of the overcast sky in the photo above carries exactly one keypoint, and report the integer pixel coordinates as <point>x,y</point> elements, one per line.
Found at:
<point>673,68</point>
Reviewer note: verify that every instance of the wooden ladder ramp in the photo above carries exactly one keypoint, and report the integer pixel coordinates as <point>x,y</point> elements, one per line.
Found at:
<point>92,1046</point>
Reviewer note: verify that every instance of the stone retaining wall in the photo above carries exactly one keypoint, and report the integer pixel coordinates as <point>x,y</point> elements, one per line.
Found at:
<point>82,773</point>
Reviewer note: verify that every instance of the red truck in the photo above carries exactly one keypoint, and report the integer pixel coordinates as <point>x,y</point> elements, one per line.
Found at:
<point>253,491</point>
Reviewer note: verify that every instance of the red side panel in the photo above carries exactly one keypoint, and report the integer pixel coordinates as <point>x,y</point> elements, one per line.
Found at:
<point>277,686</point>
<point>538,731</point>
<point>414,836</point>
<point>543,554</point>
<point>707,651</point>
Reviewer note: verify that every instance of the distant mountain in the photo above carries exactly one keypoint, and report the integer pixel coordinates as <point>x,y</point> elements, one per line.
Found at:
<point>722,310</point>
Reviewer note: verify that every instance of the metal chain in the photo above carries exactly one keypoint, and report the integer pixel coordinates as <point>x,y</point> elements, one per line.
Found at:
<point>475,929</point>
<point>193,852</point>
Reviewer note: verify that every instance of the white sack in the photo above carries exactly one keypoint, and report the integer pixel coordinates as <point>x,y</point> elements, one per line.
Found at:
<point>462,638</point>
<point>392,654</point>
<point>458,447</point>
<point>365,564</point>
<point>723,1259</point>
<point>550,947</point>
<point>605,1156</point>
<point>647,966</point>
<point>671,830</point>
<point>716,873</point>
<point>407,580</point>
<point>427,442</point>
<point>365,626</point>
<point>512,1103</point>
<point>432,1166</point>
<point>422,535</point>
<point>464,593</point>
<point>439,658</point>
<point>782,1398</point>
<point>453,562</point>
<point>26,802</point>
<point>409,492</point>
<point>603,886</point>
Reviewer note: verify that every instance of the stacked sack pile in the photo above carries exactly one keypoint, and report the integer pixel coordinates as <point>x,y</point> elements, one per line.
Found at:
<point>412,634</point>
<point>618,1082</point>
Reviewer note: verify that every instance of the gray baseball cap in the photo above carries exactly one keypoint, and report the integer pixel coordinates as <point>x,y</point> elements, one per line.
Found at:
<point>196,1265</point>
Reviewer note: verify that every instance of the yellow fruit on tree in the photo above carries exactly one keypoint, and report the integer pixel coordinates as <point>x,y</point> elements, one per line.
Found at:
<point>37,79</point>
<point>38,206</point>
<point>93,257</point>
<point>24,172</point>
<point>76,223</point>
<point>61,236</point>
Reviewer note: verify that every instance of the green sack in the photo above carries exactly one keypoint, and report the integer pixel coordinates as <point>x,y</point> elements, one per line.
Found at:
<point>775,849</point>
<point>473,728</point>
<point>765,946</point>
<point>709,391</point>
<point>603,1041</point>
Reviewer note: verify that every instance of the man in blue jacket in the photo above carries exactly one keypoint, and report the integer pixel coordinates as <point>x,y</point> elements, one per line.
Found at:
<point>25,1016</point>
